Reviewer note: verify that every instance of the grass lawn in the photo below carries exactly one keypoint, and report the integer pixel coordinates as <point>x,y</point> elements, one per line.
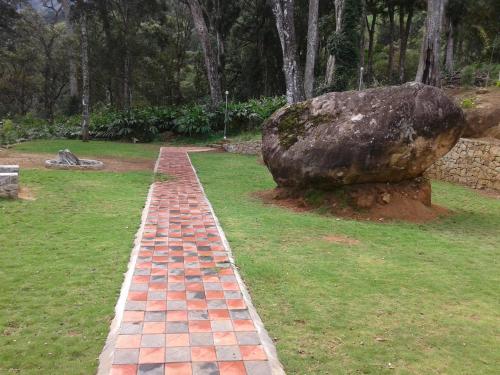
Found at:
<point>62,260</point>
<point>94,148</point>
<point>408,299</point>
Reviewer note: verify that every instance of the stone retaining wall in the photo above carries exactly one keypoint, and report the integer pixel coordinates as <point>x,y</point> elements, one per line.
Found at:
<point>472,162</point>
<point>9,181</point>
<point>247,148</point>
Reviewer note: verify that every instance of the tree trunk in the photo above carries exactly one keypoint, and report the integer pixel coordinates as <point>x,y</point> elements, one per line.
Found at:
<point>362,45</point>
<point>126,81</point>
<point>390,65</point>
<point>312,47</point>
<point>404,32</point>
<point>210,59</point>
<point>429,68</point>
<point>450,41</point>
<point>73,81</point>
<point>371,43</point>
<point>85,77</point>
<point>221,51</point>
<point>284,13</point>
<point>330,66</point>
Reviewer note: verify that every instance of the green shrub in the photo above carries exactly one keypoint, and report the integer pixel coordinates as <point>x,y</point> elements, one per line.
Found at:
<point>468,103</point>
<point>468,76</point>
<point>8,132</point>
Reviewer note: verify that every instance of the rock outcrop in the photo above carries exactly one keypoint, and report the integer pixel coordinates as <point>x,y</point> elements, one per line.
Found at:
<point>388,134</point>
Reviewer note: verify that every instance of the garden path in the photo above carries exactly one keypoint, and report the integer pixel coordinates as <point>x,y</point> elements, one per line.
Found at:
<point>183,307</point>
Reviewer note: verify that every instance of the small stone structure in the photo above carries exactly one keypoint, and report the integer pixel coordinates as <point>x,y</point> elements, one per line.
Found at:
<point>9,181</point>
<point>472,162</point>
<point>67,160</point>
<point>246,148</point>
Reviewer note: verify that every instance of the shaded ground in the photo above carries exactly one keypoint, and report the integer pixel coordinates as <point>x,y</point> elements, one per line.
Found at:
<point>111,164</point>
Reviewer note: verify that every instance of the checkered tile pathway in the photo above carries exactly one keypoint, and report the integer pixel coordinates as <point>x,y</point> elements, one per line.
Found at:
<point>185,312</point>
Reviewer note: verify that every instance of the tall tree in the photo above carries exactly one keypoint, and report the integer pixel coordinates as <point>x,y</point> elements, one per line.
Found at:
<point>211,64</point>
<point>284,13</point>
<point>312,47</point>
<point>85,70</point>
<point>339,16</point>
<point>372,7</point>
<point>73,81</point>
<point>390,14</point>
<point>429,71</point>
<point>404,34</point>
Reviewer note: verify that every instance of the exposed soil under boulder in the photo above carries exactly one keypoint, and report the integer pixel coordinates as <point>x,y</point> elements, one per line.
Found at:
<point>404,201</point>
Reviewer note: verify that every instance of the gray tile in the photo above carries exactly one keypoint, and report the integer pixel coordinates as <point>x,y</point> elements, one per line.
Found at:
<point>177,327</point>
<point>158,279</point>
<point>176,305</point>
<point>228,353</point>
<point>152,341</point>
<point>209,271</point>
<point>201,339</point>
<point>232,294</point>
<point>135,305</point>
<point>151,369</point>
<point>139,287</point>
<point>221,325</point>
<point>213,286</point>
<point>205,368</point>
<point>198,315</point>
<point>228,279</point>
<point>160,265</point>
<point>179,287</point>
<point>239,314</point>
<point>192,265</point>
<point>257,368</point>
<point>178,354</point>
<point>195,295</point>
<point>193,279</point>
<point>142,272</point>
<point>126,356</point>
<point>176,272</point>
<point>216,304</point>
<point>157,296</point>
<point>155,316</point>
<point>247,338</point>
<point>130,328</point>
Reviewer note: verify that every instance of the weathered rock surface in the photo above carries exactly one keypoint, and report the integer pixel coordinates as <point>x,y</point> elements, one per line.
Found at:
<point>9,181</point>
<point>67,157</point>
<point>386,134</point>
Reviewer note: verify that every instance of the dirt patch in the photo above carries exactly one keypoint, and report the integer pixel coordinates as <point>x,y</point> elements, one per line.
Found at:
<point>371,202</point>
<point>341,240</point>
<point>111,164</point>
<point>26,194</point>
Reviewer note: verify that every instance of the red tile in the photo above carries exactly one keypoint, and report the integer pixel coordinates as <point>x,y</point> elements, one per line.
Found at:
<point>177,316</point>
<point>140,279</point>
<point>133,316</point>
<point>177,339</point>
<point>137,296</point>
<point>153,327</point>
<point>178,369</point>
<point>124,370</point>
<point>194,287</point>
<point>224,338</point>
<point>152,355</point>
<point>253,353</point>
<point>218,314</point>
<point>203,354</point>
<point>199,326</point>
<point>214,294</point>
<point>243,325</point>
<point>128,341</point>
<point>235,304</point>
<point>196,305</point>
<point>156,306</point>
<point>230,286</point>
<point>232,368</point>
<point>176,296</point>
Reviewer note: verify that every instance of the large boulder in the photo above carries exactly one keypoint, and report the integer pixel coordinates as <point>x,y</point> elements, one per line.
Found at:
<point>387,134</point>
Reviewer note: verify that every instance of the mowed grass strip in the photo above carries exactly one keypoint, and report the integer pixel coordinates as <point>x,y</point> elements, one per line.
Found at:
<point>407,299</point>
<point>62,261</point>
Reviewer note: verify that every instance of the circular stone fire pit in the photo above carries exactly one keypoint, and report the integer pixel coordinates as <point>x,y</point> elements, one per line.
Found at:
<point>67,160</point>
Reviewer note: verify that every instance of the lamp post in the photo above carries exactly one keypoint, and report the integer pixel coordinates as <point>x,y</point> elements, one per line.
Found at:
<point>361,78</point>
<point>225,117</point>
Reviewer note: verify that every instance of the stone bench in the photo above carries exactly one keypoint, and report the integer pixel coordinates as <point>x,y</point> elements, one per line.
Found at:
<point>9,181</point>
